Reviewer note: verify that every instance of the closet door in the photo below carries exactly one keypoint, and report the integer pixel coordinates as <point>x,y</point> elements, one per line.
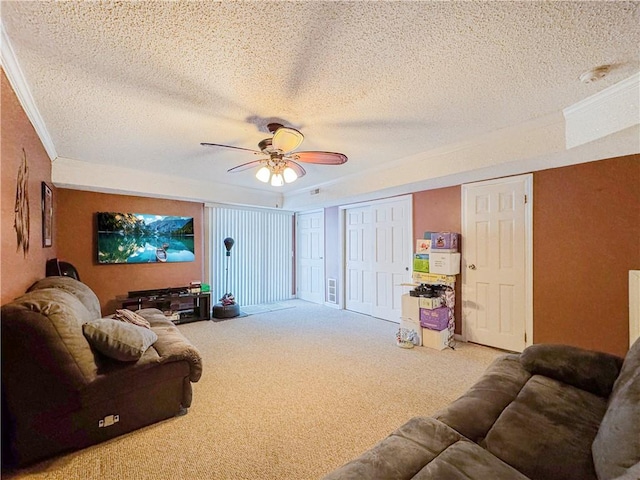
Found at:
<point>358,261</point>
<point>310,256</point>
<point>378,251</point>
<point>496,281</point>
<point>392,256</point>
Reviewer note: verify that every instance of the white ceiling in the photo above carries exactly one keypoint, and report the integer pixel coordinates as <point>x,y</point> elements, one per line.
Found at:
<point>138,85</point>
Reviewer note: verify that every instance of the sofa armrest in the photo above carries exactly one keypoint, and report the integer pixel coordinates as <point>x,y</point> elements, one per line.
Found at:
<point>588,370</point>
<point>172,345</point>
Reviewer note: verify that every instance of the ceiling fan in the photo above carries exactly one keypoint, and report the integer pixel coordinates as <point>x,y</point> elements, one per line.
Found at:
<point>281,164</point>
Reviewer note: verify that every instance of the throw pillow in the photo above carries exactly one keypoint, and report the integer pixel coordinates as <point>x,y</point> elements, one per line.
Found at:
<point>131,317</point>
<point>118,340</point>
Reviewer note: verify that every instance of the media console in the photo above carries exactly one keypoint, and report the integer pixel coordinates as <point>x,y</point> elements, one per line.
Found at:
<point>178,304</point>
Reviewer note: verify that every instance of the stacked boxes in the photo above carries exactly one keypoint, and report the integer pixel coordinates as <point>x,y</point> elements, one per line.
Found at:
<point>436,319</point>
<point>421,263</point>
<point>444,263</point>
<point>436,262</point>
<point>421,257</point>
<point>444,242</point>
<point>444,258</point>
<point>438,340</point>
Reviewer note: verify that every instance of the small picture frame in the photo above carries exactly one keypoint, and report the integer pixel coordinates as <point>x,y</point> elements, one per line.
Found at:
<point>47,215</point>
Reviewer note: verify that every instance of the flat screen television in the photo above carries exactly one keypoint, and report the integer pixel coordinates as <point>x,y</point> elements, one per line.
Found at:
<point>144,238</point>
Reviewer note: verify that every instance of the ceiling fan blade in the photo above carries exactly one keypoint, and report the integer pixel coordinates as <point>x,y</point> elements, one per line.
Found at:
<point>296,167</point>
<point>256,152</point>
<point>245,166</point>
<point>323,158</point>
<point>286,139</point>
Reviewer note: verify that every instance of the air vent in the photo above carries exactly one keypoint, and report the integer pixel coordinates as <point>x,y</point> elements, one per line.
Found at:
<point>315,191</point>
<point>332,290</point>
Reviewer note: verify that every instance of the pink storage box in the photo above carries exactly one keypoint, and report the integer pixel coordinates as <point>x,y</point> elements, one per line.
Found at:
<point>436,319</point>
<point>445,241</point>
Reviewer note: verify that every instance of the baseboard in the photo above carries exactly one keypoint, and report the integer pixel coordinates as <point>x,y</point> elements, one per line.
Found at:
<point>332,305</point>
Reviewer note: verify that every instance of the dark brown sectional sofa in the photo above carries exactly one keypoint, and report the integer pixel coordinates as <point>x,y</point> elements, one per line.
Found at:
<point>61,392</point>
<point>551,413</point>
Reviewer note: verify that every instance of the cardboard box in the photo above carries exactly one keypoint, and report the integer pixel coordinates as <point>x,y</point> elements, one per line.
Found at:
<point>411,307</point>
<point>415,326</point>
<point>436,319</point>
<point>430,302</point>
<point>423,245</point>
<point>445,263</point>
<point>435,339</point>
<point>421,263</point>
<point>434,278</point>
<point>444,241</point>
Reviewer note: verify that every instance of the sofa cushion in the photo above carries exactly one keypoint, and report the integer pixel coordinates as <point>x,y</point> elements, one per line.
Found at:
<point>476,411</point>
<point>589,370</point>
<point>118,340</point>
<point>617,444</point>
<point>547,431</point>
<point>402,454</point>
<point>78,289</point>
<point>465,460</point>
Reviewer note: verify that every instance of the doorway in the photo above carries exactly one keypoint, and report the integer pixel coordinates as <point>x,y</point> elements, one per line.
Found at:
<point>497,273</point>
<point>310,256</point>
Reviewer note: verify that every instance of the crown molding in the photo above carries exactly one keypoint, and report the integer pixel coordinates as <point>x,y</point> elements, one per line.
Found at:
<point>609,111</point>
<point>20,87</point>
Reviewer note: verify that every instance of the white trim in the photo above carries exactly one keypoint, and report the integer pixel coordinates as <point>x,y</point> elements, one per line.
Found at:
<point>20,87</point>
<point>528,254</point>
<point>634,306</point>
<point>332,305</point>
<point>609,111</point>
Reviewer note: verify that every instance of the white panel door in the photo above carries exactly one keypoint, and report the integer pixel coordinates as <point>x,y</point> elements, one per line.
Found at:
<point>310,256</point>
<point>392,257</point>
<point>496,291</point>
<point>358,261</point>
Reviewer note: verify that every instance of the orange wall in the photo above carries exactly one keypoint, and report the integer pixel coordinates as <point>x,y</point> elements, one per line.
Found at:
<point>17,133</point>
<point>439,211</point>
<point>586,232</point>
<point>76,236</point>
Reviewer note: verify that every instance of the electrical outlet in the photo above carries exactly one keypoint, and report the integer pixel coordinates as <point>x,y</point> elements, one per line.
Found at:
<point>108,421</point>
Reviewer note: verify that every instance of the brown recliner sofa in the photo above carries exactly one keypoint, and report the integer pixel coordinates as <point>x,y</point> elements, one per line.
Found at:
<point>553,412</point>
<point>60,392</point>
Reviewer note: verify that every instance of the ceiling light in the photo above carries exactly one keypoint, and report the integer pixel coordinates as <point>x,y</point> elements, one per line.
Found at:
<point>263,174</point>
<point>290,175</point>
<point>277,180</point>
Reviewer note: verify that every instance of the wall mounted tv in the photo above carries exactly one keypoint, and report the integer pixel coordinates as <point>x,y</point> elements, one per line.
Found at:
<point>143,238</point>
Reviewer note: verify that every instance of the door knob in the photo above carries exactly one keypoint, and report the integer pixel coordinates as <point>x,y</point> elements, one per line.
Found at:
<point>472,266</point>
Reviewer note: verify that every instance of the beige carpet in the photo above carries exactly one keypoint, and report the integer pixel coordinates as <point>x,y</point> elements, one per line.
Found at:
<point>288,394</point>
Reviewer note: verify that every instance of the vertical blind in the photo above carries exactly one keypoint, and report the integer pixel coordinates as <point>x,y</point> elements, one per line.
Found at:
<point>260,268</point>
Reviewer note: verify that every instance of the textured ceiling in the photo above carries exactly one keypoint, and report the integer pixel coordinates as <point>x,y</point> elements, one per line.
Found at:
<point>141,84</point>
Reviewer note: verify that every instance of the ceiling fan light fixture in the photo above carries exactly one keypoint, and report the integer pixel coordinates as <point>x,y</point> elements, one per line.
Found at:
<point>277,180</point>
<point>289,175</point>
<point>263,174</point>
<point>286,139</point>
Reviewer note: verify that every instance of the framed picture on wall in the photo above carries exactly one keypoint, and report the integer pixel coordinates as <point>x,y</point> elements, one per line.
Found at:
<point>47,215</point>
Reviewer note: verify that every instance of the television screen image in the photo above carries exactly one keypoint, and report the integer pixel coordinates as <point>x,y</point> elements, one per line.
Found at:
<point>143,238</point>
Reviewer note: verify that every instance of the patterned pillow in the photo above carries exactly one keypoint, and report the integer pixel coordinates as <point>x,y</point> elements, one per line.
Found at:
<point>131,317</point>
